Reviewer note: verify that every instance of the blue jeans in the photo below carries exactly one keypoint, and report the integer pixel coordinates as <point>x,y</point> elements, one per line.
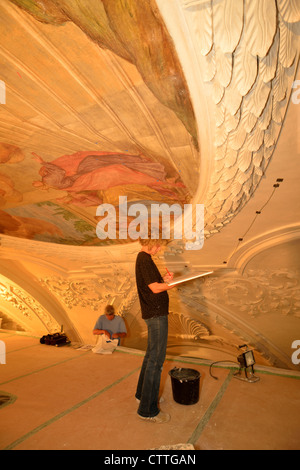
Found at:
<point>149,379</point>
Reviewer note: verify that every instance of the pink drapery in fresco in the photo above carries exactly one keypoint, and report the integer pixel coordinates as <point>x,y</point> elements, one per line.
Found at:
<point>92,171</point>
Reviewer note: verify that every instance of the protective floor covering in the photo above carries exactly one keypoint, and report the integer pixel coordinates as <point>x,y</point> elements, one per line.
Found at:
<point>61,398</point>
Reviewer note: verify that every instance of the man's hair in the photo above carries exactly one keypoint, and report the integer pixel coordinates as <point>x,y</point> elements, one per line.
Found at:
<point>154,237</point>
<point>151,242</point>
<point>109,309</point>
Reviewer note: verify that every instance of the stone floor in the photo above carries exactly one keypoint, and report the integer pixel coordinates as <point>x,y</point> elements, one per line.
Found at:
<point>63,398</point>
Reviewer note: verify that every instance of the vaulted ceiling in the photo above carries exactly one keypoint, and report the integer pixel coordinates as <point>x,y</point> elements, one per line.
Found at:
<point>185,101</point>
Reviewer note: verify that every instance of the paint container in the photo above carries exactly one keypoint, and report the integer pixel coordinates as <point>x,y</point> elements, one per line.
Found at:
<point>185,385</point>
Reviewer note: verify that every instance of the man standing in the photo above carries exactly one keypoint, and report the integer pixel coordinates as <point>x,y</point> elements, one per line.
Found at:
<point>154,302</point>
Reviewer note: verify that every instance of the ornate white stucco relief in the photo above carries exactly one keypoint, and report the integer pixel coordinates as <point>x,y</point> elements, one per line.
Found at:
<point>258,292</point>
<point>27,311</point>
<point>247,55</point>
<point>95,293</point>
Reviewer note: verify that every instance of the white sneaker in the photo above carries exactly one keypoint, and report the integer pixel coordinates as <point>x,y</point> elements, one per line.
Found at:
<point>161,418</point>
<point>161,400</point>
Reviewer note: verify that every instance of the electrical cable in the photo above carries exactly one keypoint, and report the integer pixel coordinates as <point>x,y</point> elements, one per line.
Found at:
<point>217,362</point>
<point>275,186</point>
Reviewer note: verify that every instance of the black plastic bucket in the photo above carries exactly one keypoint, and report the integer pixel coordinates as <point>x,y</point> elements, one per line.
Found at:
<point>185,385</point>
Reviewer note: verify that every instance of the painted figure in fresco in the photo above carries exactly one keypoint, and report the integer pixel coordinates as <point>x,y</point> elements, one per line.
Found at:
<point>95,171</point>
<point>9,154</point>
<point>26,227</point>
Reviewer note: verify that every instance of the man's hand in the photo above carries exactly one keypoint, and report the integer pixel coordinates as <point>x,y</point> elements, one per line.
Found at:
<point>118,335</point>
<point>168,277</point>
<point>101,332</point>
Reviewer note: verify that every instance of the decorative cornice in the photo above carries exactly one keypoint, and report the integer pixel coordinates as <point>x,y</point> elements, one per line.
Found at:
<point>79,258</point>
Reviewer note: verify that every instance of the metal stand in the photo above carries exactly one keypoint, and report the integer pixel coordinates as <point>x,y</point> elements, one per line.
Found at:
<point>249,375</point>
<point>246,360</point>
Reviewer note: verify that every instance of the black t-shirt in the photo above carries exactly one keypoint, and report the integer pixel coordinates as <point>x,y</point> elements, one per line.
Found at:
<point>146,272</point>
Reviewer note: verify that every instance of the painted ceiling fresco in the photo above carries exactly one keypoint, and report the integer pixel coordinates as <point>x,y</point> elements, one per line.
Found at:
<point>91,114</point>
<point>98,106</point>
<point>85,80</point>
<point>88,179</point>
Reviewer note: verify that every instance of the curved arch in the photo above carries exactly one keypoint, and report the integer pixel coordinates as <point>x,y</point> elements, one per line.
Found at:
<point>38,296</point>
<point>247,251</point>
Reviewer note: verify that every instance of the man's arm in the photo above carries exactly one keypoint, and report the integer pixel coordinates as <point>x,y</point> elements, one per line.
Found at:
<point>118,335</point>
<point>158,287</point>
<point>101,332</point>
